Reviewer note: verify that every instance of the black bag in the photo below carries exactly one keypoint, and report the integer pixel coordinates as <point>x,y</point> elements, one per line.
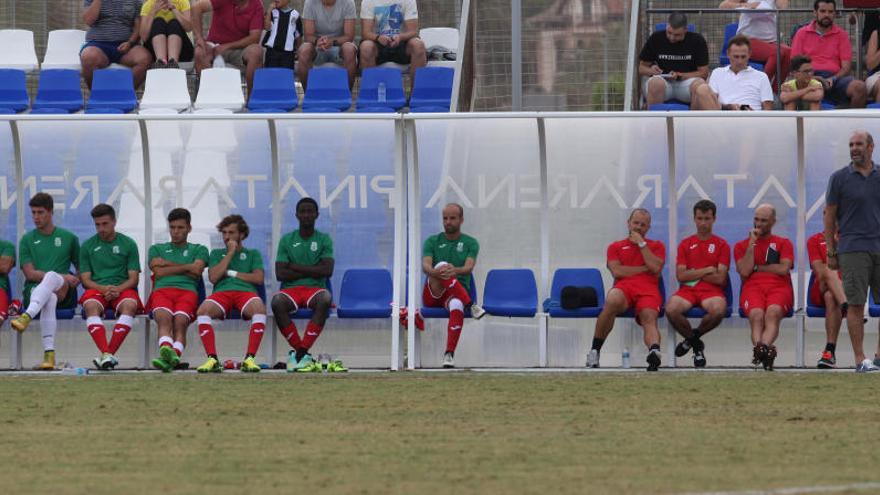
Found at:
<point>578,297</point>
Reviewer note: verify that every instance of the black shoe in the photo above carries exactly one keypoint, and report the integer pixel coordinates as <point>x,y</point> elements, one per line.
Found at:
<point>682,348</point>
<point>769,358</point>
<point>653,360</point>
<point>699,359</point>
<point>158,64</point>
<point>172,64</point>
<point>758,353</point>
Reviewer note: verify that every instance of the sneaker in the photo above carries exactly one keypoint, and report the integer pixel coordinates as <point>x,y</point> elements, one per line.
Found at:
<point>291,361</point>
<point>699,359</point>
<point>866,366</point>
<point>758,355</point>
<point>21,323</point>
<point>212,365</point>
<point>448,360</point>
<point>249,365</point>
<point>161,365</point>
<point>593,359</point>
<point>653,360</point>
<point>336,366</point>
<point>769,358</point>
<point>169,355</point>
<point>48,361</point>
<point>477,311</point>
<point>682,348</point>
<point>308,365</point>
<point>172,64</point>
<point>159,64</point>
<point>107,361</point>
<point>827,361</point>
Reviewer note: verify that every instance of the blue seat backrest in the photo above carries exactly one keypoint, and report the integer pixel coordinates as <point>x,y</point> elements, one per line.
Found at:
<point>274,88</point>
<point>369,89</point>
<point>577,277</point>
<point>328,86</point>
<point>13,90</point>
<point>511,292</point>
<point>59,88</point>
<point>432,87</point>
<point>366,287</point>
<point>113,88</point>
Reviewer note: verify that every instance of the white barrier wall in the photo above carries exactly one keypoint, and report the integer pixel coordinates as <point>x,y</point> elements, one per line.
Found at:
<point>540,191</point>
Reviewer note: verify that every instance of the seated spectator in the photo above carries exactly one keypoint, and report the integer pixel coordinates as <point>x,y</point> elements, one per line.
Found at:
<point>740,86</point>
<point>163,27</point>
<point>328,32</point>
<point>112,38</point>
<point>761,30</point>
<point>831,52</point>
<point>872,55</point>
<point>283,27</point>
<point>802,92</point>
<point>674,64</point>
<point>234,34</point>
<point>390,29</point>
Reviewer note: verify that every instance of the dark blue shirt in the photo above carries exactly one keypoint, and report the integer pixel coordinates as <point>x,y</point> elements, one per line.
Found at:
<point>858,208</point>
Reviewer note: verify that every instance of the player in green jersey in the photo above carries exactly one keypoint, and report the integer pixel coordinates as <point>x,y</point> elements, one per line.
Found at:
<point>109,269</point>
<point>236,272</point>
<point>46,256</point>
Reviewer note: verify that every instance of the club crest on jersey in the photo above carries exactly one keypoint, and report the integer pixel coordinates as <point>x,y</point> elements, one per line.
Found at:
<point>712,248</point>
<point>242,256</point>
<point>57,242</point>
<point>314,246</point>
<point>186,252</point>
<point>115,249</point>
<point>460,247</point>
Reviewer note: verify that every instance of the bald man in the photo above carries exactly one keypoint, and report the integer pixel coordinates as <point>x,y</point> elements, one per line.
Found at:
<point>764,262</point>
<point>448,259</point>
<point>635,263</point>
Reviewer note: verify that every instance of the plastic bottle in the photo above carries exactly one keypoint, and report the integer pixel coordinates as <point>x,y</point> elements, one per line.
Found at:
<point>625,358</point>
<point>380,92</point>
<point>70,370</point>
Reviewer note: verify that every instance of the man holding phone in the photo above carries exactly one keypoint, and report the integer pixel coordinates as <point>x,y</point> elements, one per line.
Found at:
<point>764,262</point>
<point>674,64</point>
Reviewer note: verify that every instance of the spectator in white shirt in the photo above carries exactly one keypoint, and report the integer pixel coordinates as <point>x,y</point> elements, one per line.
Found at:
<point>739,86</point>
<point>761,29</point>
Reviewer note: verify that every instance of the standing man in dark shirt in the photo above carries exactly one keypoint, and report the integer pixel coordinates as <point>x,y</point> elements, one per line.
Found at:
<point>674,64</point>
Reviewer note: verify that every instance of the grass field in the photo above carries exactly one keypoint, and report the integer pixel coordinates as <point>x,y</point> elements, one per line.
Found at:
<point>437,433</point>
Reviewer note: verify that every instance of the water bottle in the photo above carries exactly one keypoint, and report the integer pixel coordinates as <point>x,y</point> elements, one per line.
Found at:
<point>380,92</point>
<point>625,358</point>
<point>324,359</point>
<point>70,370</point>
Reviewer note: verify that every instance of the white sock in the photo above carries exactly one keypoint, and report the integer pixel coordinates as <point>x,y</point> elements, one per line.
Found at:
<point>48,323</point>
<point>125,320</point>
<point>40,294</point>
<point>179,346</point>
<point>162,340</point>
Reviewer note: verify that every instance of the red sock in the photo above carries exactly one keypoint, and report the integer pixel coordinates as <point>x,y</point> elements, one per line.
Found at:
<point>98,333</point>
<point>120,331</point>
<point>453,331</point>
<point>258,327</point>
<point>291,336</point>
<point>206,332</point>
<point>313,330</point>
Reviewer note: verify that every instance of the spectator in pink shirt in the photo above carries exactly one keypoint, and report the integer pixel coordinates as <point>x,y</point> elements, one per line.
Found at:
<point>234,34</point>
<point>831,51</point>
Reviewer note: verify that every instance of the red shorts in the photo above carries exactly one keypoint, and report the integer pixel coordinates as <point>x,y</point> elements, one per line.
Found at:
<point>699,293</point>
<point>175,301</point>
<point>759,296</point>
<point>128,294</point>
<point>640,295</point>
<point>301,296</point>
<point>229,300</point>
<point>453,291</point>
<point>4,305</point>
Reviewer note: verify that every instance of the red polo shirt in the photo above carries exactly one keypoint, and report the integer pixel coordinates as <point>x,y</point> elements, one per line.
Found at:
<point>827,50</point>
<point>230,22</point>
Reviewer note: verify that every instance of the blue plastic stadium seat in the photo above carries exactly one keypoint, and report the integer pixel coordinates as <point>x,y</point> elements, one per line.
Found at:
<point>730,32</point>
<point>365,293</point>
<point>376,109</point>
<point>432,88</point>
<point>874,105</point>
<point>49,111</point>
<point>576,277</point>
<point>698,312</point>
<point>813,311</point>
<point>13,90</point>
<point>631,313</point>
<point>827,105</point>
<point>873,305</point>
<point>661,26</point>
<point>58,89</point>
<point>443,313</point>
<point>669,106</point>
<point>306,313</point>
<point>430,109</point>
<point>274,91</point>
<point>511,293</point>
<point>112,89</point>
<point>236,315</point>
<point>104,111</point>
<point>369,91</point>
<point>328,88</point>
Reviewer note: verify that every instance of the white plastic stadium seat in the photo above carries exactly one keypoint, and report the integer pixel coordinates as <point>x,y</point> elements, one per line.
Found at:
<point>18,50</point>
<point>166,88</point>
<point>62,49</point>
<point>220,88</point>
<point>440,37</point>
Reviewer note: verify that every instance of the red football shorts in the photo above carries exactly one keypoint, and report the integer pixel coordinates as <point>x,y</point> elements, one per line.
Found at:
<point>175,301</point>
<point>699,293</point>
<point>640,294</point>
<point>762,296</point>
<point>229,300</point>
<point>126,295</point>
<point>453,290</point>
<point>301,296</point>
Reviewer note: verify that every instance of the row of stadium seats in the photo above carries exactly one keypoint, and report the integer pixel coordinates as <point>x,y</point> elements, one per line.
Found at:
<point>274,91</point>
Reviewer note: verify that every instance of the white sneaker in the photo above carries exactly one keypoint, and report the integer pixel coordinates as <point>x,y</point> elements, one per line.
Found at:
<point>866,366</point>
<point>448,360</point>
<point>477,311</point>
<point>593,359</point>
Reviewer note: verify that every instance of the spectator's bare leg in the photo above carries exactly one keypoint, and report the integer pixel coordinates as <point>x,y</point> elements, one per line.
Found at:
<point>856,326</point>
<point>703,98</point>
<point>175,44</point>
<point>857,94</point>
<point>675,310</point>
<point>349,61</point>
<point>648,319</point>
<point>615,303</point>
<point>161,47</point>
<point>833,318</point>
<point>792,105</point>
<point>418,56</point>
<point>772,319</point>
<point>305,56</point>
<point>657,91</point>
<point>139,59</point>
<point>91,60</point>
<point>204,58</point>
<point>369,52</point>
<point>253,58</point>
<point>756,323</point>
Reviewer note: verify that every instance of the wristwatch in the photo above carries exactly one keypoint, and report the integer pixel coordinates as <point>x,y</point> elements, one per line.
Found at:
<point>642,244</point>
